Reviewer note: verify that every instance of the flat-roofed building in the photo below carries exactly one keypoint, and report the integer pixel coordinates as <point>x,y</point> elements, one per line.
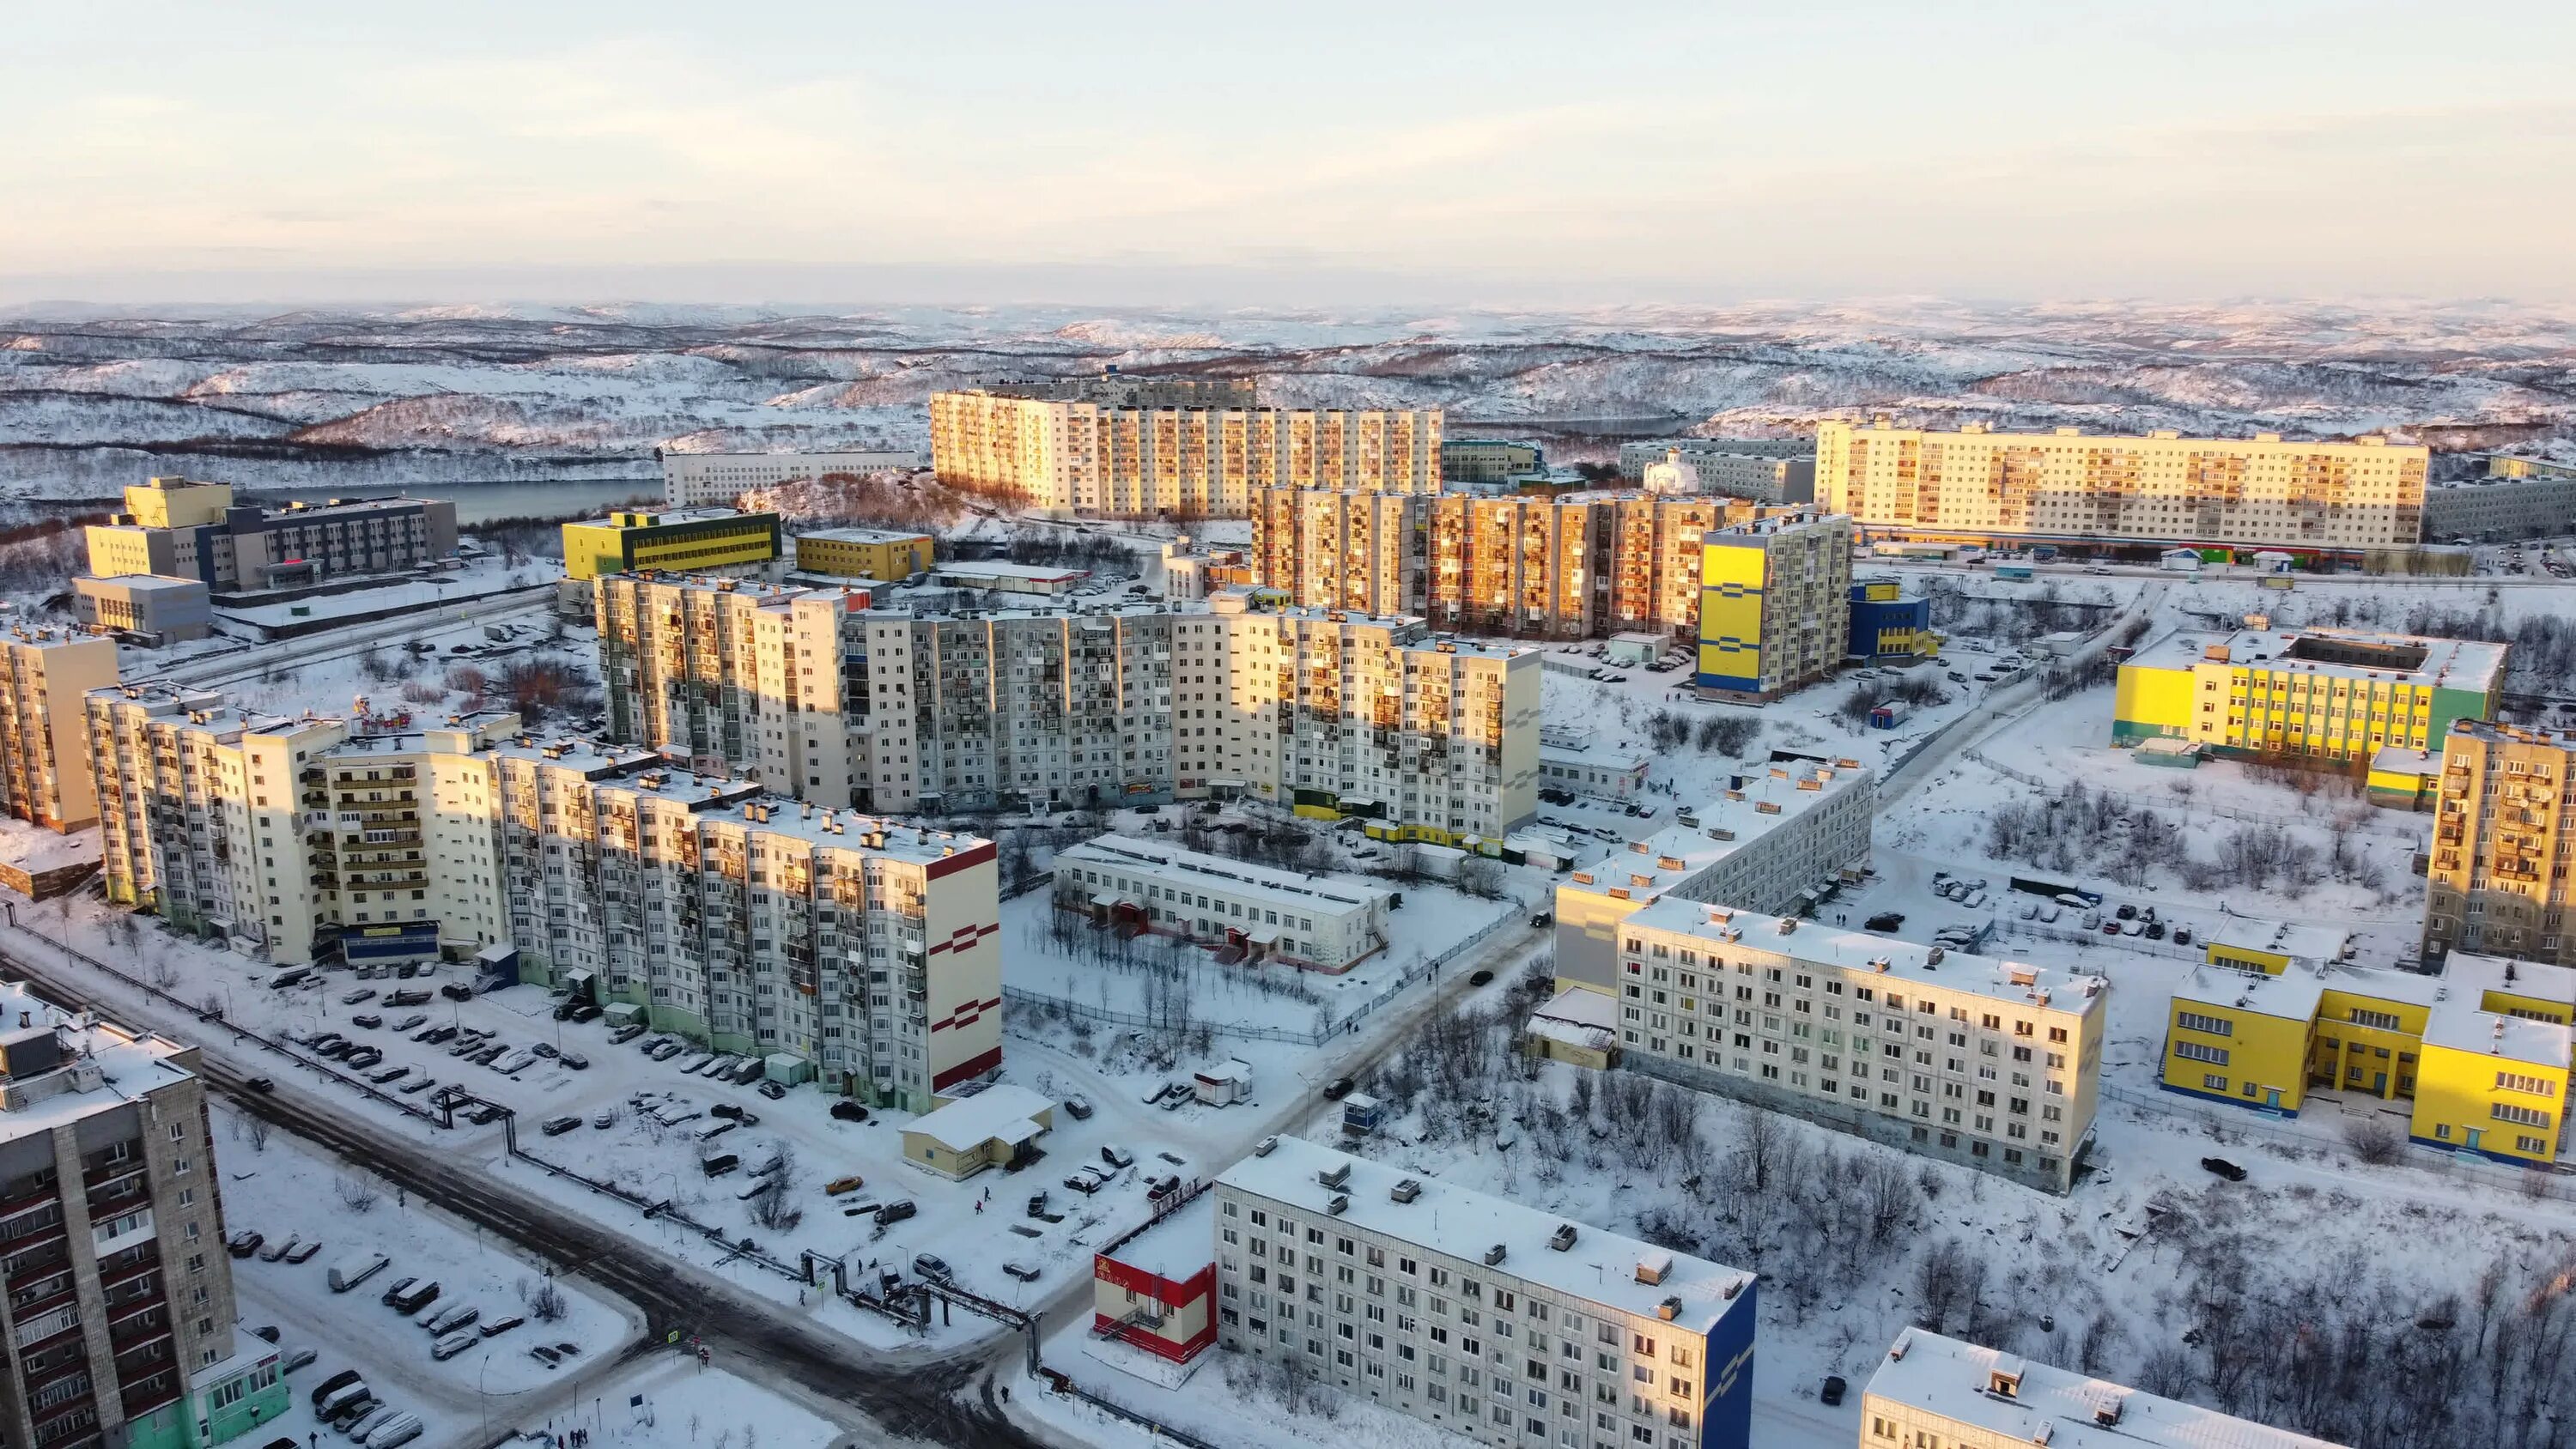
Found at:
<point>1989,1063</point>
<point>1320,922</point>
<point>2518,498</point>
<point>2091,489</point>
<point>1194,569</point>
<point>44,767</point>
<point>1775,606</point>
<point>166,610</point>
<point>1488,460</point>
<point>884,554</point>
<point>1932,1390</point>
<point>691,540</point>
<point>1493,1320</point>
<point>691,480</point>
<point>1635,458</point>
<point>1569,759</point>
<point>1761,477</point>
<point>228,546</point>
<point>2338,696</point>
<point>1155,1286</point>
<point>997,576</point>
<point>1772,840</point>
<point>2504,839</point>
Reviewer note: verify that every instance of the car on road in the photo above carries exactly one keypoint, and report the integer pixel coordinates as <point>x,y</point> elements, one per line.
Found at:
<point>485,1115</point>
<point>931,1266</point>
<point>352,998</point>
<point>2218,1165</point>
<point>261,1085</point>
<point>849,1111</point>
<point>743,1115</point>
<point>1338,1088</point>
<point>1079,1107</point>
<point>1481,978</point>
<point>558,1126</point>
<point>457,991</point>
<point>896,1211</point>
<point>1832,1393</point>
<point>245,1243</point>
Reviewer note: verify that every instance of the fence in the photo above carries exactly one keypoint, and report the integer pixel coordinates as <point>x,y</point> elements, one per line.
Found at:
<point>2324,1133</point>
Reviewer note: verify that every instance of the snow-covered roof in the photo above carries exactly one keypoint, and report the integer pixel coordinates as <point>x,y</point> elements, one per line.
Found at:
<point>861,535</point>
<point>2405,760</point>
<point>1598,756</point>
<point>2458,1023</point>
<point>2014,982</point>
<point>49,1056</point>
<point>1598,1267</point>
<point>1578,1017</point>
<point>1001,1110</point>
<point>2291,996</point>
<point>147,583</point>
<point>2281,938</point>
<point>1958,1381</point>
<point>1754,806</point>
<point>1172,864</point>
<point>997,569</point>
<point>1180,1244</point>
<point>2470,664</point>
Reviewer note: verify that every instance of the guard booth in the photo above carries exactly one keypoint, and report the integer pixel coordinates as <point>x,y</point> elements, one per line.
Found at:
<point>1360,1114</point>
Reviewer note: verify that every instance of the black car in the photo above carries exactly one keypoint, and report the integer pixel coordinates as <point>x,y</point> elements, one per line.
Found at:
<point>1884,921</point>
<point>1481,978</point>
<point>771,1090</point>
<point>457,991</point>
<point>1832,1393</point>
<point>2155,930</point>
<point>368,1019</point>
<point>1338,1088</point>
<point>2223,1168</point>
<point>260,1084</point>
<point>585,1012</point>
<point>848,1111</point>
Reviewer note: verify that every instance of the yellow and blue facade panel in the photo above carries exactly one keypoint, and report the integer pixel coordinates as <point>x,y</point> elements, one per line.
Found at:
<point>1731,598</point>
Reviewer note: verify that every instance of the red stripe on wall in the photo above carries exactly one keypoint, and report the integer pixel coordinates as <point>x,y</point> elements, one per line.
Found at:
<point>950,864</point>
<point>973,1066</point>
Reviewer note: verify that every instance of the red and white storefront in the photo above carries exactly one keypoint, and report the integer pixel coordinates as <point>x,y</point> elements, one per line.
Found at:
<point>1155,1288</point>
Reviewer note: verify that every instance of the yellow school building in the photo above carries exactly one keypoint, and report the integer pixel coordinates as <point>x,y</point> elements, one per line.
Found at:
<point>707,540</point>
<point>2482,1050</point>
<point>2336,695</point>
<point>881,554</point>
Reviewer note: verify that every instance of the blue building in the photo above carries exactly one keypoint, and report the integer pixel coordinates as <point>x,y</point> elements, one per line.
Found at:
<point>1886,625</point>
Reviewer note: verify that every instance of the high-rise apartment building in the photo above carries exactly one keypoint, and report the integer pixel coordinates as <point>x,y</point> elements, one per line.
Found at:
<point>1335,713</point>
<point>749,922</point>
<point>697,480</point>
<point>1992,1064</point>
<point>1340,549</point>
<point>120,1308</point>
<point>1150,448</point>
<point>1932,1390</point>
<point>2335,695</point>
<point>44,769</point>
<point>2073,487</point>
<point>181,528</point>
<point>2504,838</point>
<point>1775,605</point>
<point>1496,1321</point>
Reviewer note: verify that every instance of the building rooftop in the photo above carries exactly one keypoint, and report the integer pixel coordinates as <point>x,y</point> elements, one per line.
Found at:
<point>665,517</point>
<point>1179,1245</point>
<point>2402,760</point>
<point>2021,1402</point>
<point>1752,806</point>
<point>66,1065</point>
<point>1000,569</point>
<point>1597,1267</point>
<point>861,535</point>
<point>148,583</point>
<point>1860,952</point>
<point>2291,996</point>
<point>2469,664</point>
<point>1578,1016</point>
<point>1001,1110</point>
<point>1216,872</point>
<point>2282,938</point>
<point>744,805</point>
<point>2508,734</point>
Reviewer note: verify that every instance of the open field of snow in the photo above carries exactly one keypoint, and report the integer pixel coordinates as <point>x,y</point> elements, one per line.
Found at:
<point>683,1406</point>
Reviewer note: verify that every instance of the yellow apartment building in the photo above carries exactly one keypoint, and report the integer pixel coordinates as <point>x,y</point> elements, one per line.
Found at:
<point>2088,489</point>
<point>44,757</point>
<point>2481,1051</point>
<point>2337,696</point>
<point>885,555</point>
<point>2504,837</point>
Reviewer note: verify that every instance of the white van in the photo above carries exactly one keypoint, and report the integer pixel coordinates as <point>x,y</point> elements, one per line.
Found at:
<point>355,1269</point>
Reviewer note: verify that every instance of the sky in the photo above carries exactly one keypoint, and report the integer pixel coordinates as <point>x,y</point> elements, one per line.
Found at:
<point>1496,153</point>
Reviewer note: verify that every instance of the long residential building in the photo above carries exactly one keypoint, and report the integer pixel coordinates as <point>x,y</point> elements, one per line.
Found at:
<point>1775,606</point>
<point>44,770</point>
<point>2338,696</point>
<point>1946,1392</point>
<point>1636,458</point>
<point>2070,487</point>
<point>1761,477</point>
<point>1566,566</point>
<point>746,921</point>
<point>693,480</point>
<point>183,528</point>
<point>1992,1064</point>
<point>815,695</point>
<point>2504,840</point>
<point>1124,447</point>
<point>1318,922</point>
<point>1490,1319</point>
<point>120,1309</point>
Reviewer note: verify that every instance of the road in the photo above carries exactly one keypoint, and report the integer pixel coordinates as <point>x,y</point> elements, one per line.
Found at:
<point>235,665</point>
<point>913,1395</point>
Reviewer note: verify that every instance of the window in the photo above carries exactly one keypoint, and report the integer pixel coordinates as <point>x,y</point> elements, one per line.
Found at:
<point>2517,1082</point>
<point>2527,1116</point>
<point>2212,1025</point>
<point>2192,1051</point>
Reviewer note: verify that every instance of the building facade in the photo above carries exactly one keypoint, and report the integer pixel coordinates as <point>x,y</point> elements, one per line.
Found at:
<point>699,540</point>
<point>1769,842</point>
<point>168,611</point>
<point>1992,1064</point>
<point>1635,458</point>
<point>1194,570</point>
<point>2504,838</point>
<point>697,480</point>
<point>225,546</point>
<point>864,553</point>
<point>1761,477</point>
<point>2480,1051</point>
<point>1932,1390</point>
<point>2072,487</point>
<point>1492,1320</point>
<point>1135,448</point>
<point>2518,498</point>
<point>1312,921</point>
<point>1155,1287</point>
<point>1887,626</point>
<point>44,771</point>
<point>120,1311</point>
<point>1488,460</point>
<point>1775,606</point>
<point>1341,549</point>
<point>2335,696</point>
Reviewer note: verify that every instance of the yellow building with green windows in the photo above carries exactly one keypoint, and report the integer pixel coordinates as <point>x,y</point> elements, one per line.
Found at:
<point>2481,1051</point>
<point>707,540</point>
<point>885,555</point>
<point>2334,695</point>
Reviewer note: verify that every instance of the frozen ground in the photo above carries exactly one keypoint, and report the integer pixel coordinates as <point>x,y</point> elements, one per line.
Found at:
<point>278,1186</point>
<point>683,1406</point>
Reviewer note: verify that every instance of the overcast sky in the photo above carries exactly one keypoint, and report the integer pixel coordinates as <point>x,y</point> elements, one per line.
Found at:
<point>1231,153</point>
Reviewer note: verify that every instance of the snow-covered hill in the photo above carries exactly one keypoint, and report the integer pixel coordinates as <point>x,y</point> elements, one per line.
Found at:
<point>359,398</point>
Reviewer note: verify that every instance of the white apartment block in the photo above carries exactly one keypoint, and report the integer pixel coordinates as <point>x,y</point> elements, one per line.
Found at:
<point>1498,1322</point>
<point>44,768</point>
<point>904,711</point>
<point>1937,1391</point>
<point>1635,458</point>
<point>1770,841</point>
<point>1130,448</point>
<point>692,479</point>
<point>1319,922</point>
<point>1992,1064</point>
<point>749,922</point>
<point>2069,486</point>
<point>1761,477</point>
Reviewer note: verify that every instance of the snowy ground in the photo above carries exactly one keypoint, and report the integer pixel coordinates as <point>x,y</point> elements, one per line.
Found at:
<point>684,1407</point>
<point>278,1186</point>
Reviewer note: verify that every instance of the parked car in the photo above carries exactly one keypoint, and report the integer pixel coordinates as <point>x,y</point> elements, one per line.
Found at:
<point>305,1250</point>
<point>1832,1393</point>
<point>245,1243</point>
<point>558,1126</point>
<point>575,1060</point>
<point>398,1431</point>
<point>739,1114</point>
<point>449,1319</point>
<point>367,1019</point>
<point>627,1033</point>
<point>296,1358</point>
<point>1078,1107</point>
<point>486,1114</point>
<point>546,1049</point>
<point>400,1287</point>
<point>697,1062</point>
<point>895,1212</point>
<point>1020,1270</point>
<point>931,1266</point>
<point>414,1299</point>
<point>1117,1156</point>
<point>1086,1180</point>
<point>457,991</point>
<point>849,1111</point>
<point>585,1012</point>
<point>410,1022</point>
<point>772,1090</point>
<point>333,1385</point>
<point>417,1085</point>
<point>367,1423</point>
<point>432,1036</point>
<point>666,1051</point>
<point>363,1058</point>
<point>2223,1168</point>
<point>355,1269</point>
<point>840,1185</point>
<point>388,1075</point>
<point>494,1328</point>
<point>279,1249</point>
<point>266,1333</point>
<point>454,1344</point>
<point>2127,912</point>
<point>352,998</point>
